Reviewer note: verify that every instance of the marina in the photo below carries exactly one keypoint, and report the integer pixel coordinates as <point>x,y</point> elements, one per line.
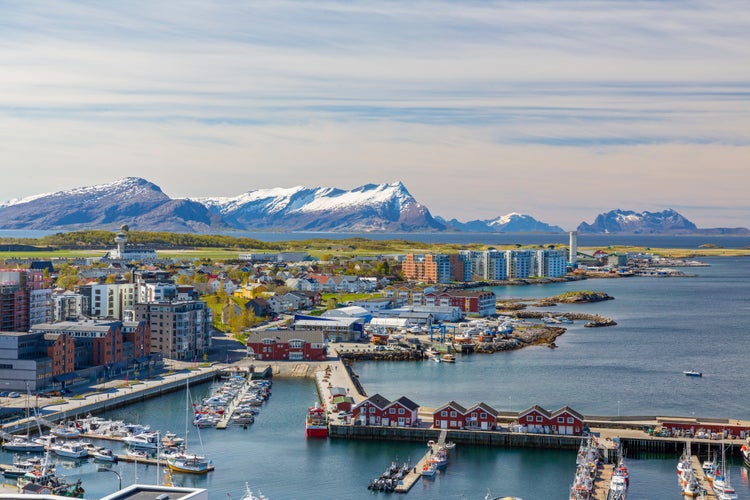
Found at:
<point>474,467</point>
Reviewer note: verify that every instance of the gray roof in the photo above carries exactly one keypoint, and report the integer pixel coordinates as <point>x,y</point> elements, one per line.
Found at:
<point>287,335</point>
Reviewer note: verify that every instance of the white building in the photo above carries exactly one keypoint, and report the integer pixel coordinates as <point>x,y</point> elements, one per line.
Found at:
<point>551,263</point>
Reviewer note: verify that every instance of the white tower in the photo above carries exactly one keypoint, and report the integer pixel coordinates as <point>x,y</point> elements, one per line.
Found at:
<point>573,247</point>
<point>120,240</point>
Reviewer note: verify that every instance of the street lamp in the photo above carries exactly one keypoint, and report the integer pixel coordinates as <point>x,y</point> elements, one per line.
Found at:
<point>119,477</point>
<point>618,408</point>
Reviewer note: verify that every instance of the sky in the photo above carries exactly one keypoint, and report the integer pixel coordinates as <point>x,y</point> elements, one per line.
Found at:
<point>557,109</point>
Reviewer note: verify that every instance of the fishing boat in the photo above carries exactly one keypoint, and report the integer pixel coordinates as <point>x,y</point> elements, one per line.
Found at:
<point>23,465</point>
<point>190,464</point>
<point>619,482</point>
<point>316,423</point>
<point>690,486</point>
<point>44,481</point>
<point>745,449</point>
<point>693,373</point>
<point>429,469</point>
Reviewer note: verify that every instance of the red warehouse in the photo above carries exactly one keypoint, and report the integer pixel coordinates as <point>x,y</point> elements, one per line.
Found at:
<point>287,345</point>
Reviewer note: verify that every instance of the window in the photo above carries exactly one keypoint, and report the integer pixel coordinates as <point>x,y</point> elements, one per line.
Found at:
<point>372,409</point>
<point>570,420</point>
<point>443,413</point>
<point>400,411</point>
<point>392,411</point>
<point>529,418</point>
<point>453,414</point>
<point>482,415</point>
<point>560,420</point>
<point>538,418</point>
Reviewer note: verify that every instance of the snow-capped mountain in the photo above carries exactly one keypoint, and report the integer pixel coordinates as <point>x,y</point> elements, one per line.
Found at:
<point>372,207</point>
<point>132,200</point>
<point>628,221</point>
<point>509,223</point>
<point>664,222</point>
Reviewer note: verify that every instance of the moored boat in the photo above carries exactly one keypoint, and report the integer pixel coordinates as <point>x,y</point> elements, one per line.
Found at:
<point>429,469</point>
<point>70,450</point>
<point>693,373</point>
<point>448,358</point>
<point>143,441</point>
<point>23,444</point>
<point>316,423</point>
<point>104,455</point>
<point>190,464</point>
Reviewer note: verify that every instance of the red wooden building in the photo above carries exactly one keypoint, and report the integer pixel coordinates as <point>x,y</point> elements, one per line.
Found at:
<point>371,410</point>
<point>287,345</point>
<point>567,421</point>
<point>563,421</point>
<point>449,416</point>
<point>401,413</point>
<point>535,419</point>
<point>481,416</point>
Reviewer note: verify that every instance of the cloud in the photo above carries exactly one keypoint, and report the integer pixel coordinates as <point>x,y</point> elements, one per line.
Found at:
<point>518,104</point>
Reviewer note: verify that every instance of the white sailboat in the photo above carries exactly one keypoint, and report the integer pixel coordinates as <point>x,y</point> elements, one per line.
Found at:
<point>184,461</point>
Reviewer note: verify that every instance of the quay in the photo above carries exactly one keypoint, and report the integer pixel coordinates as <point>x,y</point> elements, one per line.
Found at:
<point>628,431</point>
<point>106,398</point>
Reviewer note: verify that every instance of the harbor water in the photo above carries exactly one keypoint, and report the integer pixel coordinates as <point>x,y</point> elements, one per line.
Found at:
<point>665,326</point>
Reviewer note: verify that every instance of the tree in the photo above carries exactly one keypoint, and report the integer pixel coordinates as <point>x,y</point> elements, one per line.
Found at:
<point>332,303</point>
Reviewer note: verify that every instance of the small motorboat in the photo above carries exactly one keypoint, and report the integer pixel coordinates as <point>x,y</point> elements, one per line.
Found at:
<point>693,373</point>
<point>104,455</point>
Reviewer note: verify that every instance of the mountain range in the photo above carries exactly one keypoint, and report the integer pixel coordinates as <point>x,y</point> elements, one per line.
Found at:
<point>370,208</point>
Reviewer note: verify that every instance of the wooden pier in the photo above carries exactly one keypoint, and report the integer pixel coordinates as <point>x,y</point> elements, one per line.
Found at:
<point>226,417</point>
<point>413,476</point>
<point>701,477</point>
<point>601,481</point>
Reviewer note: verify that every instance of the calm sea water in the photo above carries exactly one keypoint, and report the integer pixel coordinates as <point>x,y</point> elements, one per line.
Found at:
<point>601,240</point>
<point>665,325</point>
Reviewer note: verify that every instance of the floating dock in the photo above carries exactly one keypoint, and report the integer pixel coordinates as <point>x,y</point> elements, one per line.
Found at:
<point>413,476</point>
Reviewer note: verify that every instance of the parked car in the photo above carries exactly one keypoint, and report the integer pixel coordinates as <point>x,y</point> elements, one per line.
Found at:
<point>3,394</point>
<point>14,395</point>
